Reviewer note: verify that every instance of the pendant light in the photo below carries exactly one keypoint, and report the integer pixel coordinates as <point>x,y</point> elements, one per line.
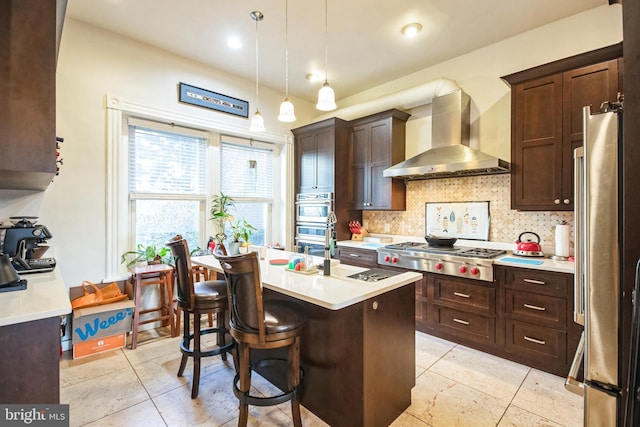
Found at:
<point>326,96</point>
<point>257,122</point>
<point>287,113</point>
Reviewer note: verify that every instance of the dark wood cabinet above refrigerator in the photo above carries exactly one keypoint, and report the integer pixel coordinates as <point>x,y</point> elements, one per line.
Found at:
<point>377,142</point>
<point>546,124</point>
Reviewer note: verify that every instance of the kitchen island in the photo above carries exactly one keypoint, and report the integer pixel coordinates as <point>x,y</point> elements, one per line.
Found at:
<point>30,339</point>
<point>358,346</point>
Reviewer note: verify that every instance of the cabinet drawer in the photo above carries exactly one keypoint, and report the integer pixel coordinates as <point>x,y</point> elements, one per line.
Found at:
<point>475,327</point>
<point>544,309</point>
<point>461,295</point>
<point>536,341</point>
<point>537,282</point>
<point>359,257</point>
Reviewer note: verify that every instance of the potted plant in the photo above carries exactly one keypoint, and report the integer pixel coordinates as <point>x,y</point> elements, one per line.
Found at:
<point>242,232</point>
<point>151,254</point>
<point>221,206</point>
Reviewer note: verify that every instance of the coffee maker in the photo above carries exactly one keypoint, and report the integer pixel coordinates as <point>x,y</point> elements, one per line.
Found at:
<point>21,243</point>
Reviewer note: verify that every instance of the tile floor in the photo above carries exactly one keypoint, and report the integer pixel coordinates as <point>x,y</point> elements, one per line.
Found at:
<point>455,386</point>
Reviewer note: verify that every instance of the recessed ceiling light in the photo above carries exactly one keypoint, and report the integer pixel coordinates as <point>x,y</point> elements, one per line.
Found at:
<point>234,42</point>
<point>410,30</point>
<point>313,77</point>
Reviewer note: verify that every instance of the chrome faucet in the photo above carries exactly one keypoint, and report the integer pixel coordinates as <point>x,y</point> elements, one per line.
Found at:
<point>331,220</point>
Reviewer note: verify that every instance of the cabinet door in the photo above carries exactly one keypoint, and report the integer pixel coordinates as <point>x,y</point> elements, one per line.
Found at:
<point>360,171</point>
<point>537,144</point>
<point>591,85</point>
<point>325,158</point>
<point>27,87</point>
<point>307,162</point>
<point>380,159</point>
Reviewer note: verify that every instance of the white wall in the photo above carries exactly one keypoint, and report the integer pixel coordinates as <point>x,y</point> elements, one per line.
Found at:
<point>94,63</point>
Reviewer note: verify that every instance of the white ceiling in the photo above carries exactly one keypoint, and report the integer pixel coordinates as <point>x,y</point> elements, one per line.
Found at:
<point>365,47</point>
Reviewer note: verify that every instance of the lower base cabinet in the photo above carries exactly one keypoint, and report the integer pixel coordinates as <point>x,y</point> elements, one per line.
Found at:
<point>525,315</point>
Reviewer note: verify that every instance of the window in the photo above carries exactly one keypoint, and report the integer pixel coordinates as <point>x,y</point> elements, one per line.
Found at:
<point>246,175</point>
<point>167,183</point>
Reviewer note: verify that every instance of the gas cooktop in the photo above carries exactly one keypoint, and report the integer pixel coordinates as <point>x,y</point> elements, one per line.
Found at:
<point>374,275</point>
<point>454,250</point>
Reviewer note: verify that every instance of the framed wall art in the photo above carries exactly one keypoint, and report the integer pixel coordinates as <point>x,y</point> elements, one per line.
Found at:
<point>216,101</point>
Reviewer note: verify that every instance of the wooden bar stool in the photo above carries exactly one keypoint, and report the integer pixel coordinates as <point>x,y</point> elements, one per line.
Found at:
<point>258,323</point>
<point>200,274</point>
<point>198,298</point>
<point>148,275</point>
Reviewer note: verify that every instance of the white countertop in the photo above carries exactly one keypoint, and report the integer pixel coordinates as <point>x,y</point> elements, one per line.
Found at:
<point>45,296</point>
<point>509,259</point>
<point>333,292</point>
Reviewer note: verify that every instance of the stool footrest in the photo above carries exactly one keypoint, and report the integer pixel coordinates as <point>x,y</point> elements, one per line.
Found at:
<point>249,399</point>
<point>185,348</point>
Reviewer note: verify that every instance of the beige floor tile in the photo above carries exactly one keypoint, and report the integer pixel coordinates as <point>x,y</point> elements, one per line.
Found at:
<point>489,374</point>
<point>143,414</point>
<point>95,398</point>
<point>73,371</point>
<point>544,394</point>
<point>215,405</point>
<point>517,417</point>
<point>152,349</point>
<point>406,420</point>
<point>441,402</point>
<point>429,350</point>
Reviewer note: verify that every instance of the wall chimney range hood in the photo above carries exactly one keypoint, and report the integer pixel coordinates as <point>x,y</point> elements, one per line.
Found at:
<point>450,155</point>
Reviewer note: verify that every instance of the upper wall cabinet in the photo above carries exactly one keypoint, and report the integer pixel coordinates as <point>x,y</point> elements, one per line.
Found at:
<point>27,88</point>
<point>320,150</point>
<point>377,142</point>
<point>546,124</point>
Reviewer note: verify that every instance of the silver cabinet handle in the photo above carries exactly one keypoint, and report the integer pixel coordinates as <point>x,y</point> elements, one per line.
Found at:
<point>355,255</point>
<point>461,295</point>
<point>533,340</point>
<point>556,201</point>
<point>535,282</point>
<point>463,322</point>
<point>535,307</point>
<point>566,201</point>
<point>375,305</point>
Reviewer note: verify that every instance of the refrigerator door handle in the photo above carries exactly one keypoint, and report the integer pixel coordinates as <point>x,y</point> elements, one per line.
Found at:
<point>578,280</point>
<point>571,383</point>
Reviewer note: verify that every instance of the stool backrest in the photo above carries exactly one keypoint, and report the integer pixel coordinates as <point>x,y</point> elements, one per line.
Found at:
<point>242,273</point>
<point>184,272</point>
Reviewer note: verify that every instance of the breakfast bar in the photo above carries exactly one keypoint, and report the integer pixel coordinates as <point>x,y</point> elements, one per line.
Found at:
<point>358,347</point>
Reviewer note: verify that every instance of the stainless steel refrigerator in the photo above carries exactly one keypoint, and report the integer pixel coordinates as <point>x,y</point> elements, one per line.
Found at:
<point>597,267</point>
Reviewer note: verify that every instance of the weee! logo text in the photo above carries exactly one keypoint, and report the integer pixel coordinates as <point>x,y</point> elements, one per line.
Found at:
<point>90,329</point>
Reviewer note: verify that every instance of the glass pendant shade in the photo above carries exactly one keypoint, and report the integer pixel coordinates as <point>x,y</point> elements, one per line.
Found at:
<point>287,113</point>
<point>257,122</point>
<point>326,98</point>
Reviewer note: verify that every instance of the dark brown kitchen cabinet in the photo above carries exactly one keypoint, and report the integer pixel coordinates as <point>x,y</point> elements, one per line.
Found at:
<point>321,165</point>
<point>546,124</point>
<point>539,329</point>
<point>315,154</point>
<point>367,258</point>
<point>376,143</point>
<point>27,87</point>
<point>464,309</point>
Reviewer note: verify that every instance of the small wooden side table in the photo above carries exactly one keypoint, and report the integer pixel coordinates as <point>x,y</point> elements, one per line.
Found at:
<point>156,274</point>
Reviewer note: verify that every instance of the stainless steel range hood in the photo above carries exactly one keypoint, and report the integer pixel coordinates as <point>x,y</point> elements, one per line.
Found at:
<point>450,155</point>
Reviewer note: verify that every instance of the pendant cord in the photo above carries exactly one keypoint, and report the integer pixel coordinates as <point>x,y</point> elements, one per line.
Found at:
<point>326,44</point>
<point>286,48</point>
<point>257,72</point>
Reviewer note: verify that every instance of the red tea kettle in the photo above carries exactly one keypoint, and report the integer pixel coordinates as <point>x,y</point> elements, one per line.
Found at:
<point>528,248</point>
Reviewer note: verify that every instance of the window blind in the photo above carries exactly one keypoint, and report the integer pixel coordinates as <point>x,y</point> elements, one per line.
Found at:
<point>162,162</point>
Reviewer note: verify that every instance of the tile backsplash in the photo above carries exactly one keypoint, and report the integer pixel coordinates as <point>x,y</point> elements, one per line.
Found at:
<point>506,224</point>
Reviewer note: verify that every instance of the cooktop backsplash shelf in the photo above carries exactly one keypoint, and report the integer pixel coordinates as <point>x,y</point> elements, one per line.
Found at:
<point>506,224</point>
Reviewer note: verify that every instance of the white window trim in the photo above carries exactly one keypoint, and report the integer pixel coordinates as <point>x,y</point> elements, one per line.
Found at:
<point>117,216</point>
